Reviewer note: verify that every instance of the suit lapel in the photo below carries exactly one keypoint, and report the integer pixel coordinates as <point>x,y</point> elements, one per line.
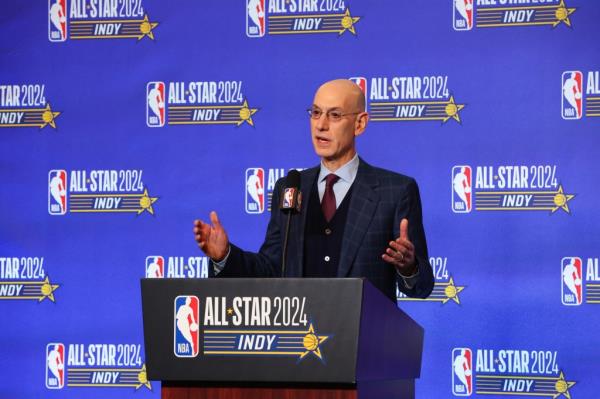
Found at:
<point>296,250</point>
<point>363,204</point>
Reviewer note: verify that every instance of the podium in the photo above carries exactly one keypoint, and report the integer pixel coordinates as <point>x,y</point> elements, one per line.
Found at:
<point>278,338</point>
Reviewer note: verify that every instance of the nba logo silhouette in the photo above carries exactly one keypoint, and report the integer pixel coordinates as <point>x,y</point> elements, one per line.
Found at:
<point>57,192</point>
<point>572,96</point>
<point>55,366</point>
<point>155,104</point>
<point>571,276</point>
<point>255,18</point>
<point>461,189</point>
<point>155,267</point>
<point>288,198</point>
<point>255,190</point>
<point>462,14</point>
<point>186,326</point>
<point>362,83</point>
<point>57,20</point>
<point>462,372</point>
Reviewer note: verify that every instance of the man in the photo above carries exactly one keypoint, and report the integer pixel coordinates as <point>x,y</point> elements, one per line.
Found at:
<point>355,220</point>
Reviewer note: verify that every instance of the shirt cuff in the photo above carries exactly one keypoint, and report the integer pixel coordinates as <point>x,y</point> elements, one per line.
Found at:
<point>220,265</point>
<point>410,281</point>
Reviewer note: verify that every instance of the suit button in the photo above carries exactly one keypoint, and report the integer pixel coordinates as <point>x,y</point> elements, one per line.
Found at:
<point>327,231</point>
<point>327,258</point>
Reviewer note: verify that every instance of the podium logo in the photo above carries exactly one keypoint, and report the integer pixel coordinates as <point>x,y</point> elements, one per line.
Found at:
<point>155,267</point>
<point>462,375</point>
<point>186,321</point>
<point>255,190</point>
<point>55,366</point>
<point>461,189</point>
<point>85,19</point>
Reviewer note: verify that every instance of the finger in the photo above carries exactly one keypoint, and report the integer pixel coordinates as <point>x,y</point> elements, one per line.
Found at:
<point>388,259</point>
<point>399,246</point>
<point>404,229</point>
<point>406,244</point>
<point>214,219</point>
<point>397,257</point>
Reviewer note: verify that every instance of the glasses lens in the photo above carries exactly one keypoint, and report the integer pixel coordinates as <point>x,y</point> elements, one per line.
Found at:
<point>315,113</point>
<point>334,115</point>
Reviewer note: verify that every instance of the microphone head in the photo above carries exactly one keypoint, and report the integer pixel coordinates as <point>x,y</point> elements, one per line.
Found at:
<point>291,195</point>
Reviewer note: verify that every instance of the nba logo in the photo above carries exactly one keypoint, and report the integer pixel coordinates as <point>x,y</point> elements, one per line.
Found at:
<point>462,372</point>
<point>255,18</point>
<point>288,198</point>
<point>155,104</point>
<point>571,276</point>
<point>57,192</point>
<point>55,366</point>
<point>572,102</point>
<point>57,20</point>
<point>186,326</point>
<point>461,189</point>
<point>362,83</point>
<point>155,267</point>
<point>462,14</point>
<point>255,190</point>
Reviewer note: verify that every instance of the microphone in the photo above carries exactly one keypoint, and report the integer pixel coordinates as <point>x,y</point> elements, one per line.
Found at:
<point>290,202</point>
<point>291,197</point>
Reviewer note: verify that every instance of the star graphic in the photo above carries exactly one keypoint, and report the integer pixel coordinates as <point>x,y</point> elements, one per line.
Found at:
<point>143,379</point>
<point>146,28</point>
<point>347,23</point>
<point>246,114</point>
<point>312,343</point>
<point>47,290</point>
<point>561,200</point>
<point>229,311</point>
<point>146,202</point>
<point>562,14</point>
<point>451,291</point>
<point>452,109</point>
<point>562,387</point>
<point>48,117</point>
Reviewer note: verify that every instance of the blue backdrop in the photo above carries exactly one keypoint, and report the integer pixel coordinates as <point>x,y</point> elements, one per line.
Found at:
<point>123,121</point>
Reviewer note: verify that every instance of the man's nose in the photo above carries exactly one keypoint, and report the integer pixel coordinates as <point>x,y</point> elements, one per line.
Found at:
<point>323,122</point>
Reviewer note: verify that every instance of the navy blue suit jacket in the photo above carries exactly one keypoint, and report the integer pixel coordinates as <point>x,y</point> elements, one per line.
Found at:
<point>380,200</point>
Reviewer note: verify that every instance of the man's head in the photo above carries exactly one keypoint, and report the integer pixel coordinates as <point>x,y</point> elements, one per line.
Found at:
<point>342,117</point>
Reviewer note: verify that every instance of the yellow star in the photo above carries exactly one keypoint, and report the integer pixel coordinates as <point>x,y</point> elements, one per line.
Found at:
<point>562,14</point>
<point>146,28</point>
<point>229,311</point>
<point>48,117</point>
<point>47,290</point>
<point>452,109</point>
<point>562,386</point>
<point>452,292</point>
<point>146,202</point>
<point>246,114</point>
<point>561,200</point>
<point>347,22</point>
<point>312,343</point>
<point>143,378</point>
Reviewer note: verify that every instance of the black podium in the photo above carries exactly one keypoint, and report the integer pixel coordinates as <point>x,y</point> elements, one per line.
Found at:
<point>278,338</point>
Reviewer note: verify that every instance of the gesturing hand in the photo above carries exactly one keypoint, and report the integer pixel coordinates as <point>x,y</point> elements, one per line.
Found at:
<point>212,239</point>
<point>401,252</point>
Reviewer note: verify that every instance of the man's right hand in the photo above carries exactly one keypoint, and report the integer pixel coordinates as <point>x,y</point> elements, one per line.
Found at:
<point>212,240</point>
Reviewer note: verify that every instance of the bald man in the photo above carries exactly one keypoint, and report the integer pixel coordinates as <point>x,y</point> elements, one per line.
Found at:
<point>356,220</point>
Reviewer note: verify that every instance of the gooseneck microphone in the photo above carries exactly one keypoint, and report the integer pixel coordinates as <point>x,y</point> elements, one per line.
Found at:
<point>290,202</point>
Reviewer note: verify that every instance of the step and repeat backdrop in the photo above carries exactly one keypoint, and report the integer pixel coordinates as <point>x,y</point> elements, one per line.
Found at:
<point>122,121</point>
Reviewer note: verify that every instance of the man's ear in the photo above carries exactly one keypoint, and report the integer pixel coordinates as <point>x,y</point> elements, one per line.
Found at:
<point>361,123</point>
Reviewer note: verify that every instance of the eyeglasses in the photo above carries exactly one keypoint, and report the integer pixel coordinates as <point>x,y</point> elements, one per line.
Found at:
<point>333,115</point>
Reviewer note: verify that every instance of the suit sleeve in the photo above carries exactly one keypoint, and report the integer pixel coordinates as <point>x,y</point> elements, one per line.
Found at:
<point>410,208</point>
<point>267,262</point>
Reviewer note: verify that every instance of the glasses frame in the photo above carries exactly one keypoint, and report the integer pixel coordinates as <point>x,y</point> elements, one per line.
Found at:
<point>328,114</point>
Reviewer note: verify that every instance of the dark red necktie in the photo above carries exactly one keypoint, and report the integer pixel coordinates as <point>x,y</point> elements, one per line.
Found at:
<point>328,202</point>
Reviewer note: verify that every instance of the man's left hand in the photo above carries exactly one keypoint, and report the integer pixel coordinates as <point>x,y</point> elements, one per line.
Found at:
<point>401,252</point>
